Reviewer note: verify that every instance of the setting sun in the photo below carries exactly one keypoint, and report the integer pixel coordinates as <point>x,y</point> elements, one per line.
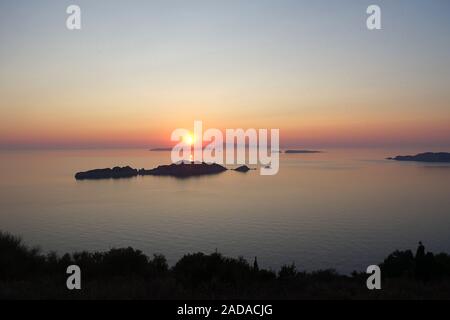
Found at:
<point>189,139</point>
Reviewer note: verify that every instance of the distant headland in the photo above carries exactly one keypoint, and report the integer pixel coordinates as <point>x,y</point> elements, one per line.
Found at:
<point>302,151</point>
<point>181,170</point>
<point>425,157</point>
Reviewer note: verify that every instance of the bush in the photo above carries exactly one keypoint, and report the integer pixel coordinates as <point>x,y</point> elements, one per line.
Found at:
<point>126,273</point>
<point>398,264</point>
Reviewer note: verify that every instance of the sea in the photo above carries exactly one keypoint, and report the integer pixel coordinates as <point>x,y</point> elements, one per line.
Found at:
<point>342,209</point>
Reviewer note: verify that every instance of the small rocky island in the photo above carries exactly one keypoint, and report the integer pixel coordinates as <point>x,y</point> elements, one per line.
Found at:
<point>425,157</point>
<point>180,170</point>
<point>243,169</point>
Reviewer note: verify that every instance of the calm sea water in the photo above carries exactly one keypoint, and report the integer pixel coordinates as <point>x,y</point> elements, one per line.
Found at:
<point>342,209</point>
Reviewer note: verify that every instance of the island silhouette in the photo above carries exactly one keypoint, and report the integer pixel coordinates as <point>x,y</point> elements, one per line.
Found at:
<point>425,157</point>
<point>180,170</point>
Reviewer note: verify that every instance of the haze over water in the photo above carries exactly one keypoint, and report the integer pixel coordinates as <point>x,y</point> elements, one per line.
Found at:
<point>342,209</point>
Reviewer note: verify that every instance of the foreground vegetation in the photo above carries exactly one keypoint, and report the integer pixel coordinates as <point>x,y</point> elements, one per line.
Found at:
<point>26,273</point>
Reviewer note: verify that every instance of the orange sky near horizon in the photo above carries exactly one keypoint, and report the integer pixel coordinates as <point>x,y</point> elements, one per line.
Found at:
<point>327,132</point>
<point>324,80</point>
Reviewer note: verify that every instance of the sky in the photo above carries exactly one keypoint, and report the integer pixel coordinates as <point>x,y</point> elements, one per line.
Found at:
<point>140,69</point>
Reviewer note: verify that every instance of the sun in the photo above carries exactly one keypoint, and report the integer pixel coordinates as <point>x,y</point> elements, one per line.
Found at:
<point>189,139</point>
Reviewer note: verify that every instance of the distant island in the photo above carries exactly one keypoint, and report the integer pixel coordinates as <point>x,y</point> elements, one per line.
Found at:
<point>181,170</point>
<point>161,149</point>
<point>425,157</point>
<point>302,151</point>
<point>243,168</point>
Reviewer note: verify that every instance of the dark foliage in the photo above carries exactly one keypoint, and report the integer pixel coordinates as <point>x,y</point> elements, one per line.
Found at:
<point>128,273</point>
